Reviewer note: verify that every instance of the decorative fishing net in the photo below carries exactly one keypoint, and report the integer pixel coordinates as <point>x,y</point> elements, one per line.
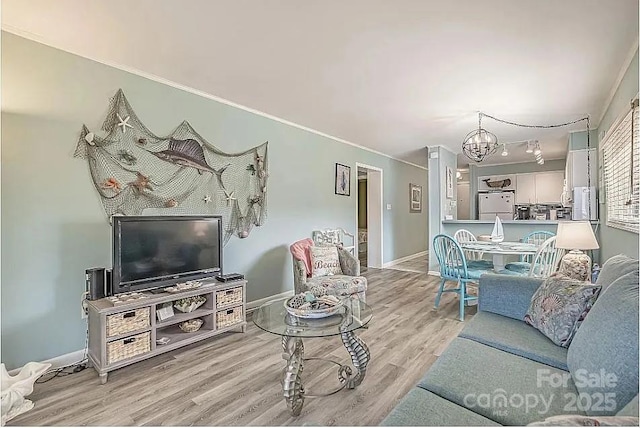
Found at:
<point>133,169</point>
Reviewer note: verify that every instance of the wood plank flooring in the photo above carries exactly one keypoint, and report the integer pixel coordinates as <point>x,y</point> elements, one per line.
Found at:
<point>234,379</point>
<point>417,265</point>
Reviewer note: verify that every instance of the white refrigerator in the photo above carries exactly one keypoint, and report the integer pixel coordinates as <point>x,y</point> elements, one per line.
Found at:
<point>585,204</point>
<point>494,204</point>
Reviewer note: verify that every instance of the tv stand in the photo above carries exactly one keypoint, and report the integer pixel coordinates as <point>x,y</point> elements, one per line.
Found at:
<point>123,334</point>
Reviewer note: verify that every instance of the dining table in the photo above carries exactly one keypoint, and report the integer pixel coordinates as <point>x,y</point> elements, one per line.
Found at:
<point>499,250</point>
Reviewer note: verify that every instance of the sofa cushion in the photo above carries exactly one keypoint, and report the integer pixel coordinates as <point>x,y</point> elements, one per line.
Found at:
<point>631,409</point>
<point>506,295</point>
<point>515,337</point>
<point>614,268</point>
<point>325,261</point>
<point>587,421</point>
<point>506,388</point>
<point>606,345</point>
<point>559,306</point>
<point>423,408</point>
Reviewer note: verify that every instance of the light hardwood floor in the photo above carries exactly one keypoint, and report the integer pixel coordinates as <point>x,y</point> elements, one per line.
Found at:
<point>234,379</point>
<point>417,265</point>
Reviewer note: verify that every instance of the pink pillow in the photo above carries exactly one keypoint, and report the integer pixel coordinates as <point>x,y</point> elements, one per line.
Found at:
<point>300,251</point>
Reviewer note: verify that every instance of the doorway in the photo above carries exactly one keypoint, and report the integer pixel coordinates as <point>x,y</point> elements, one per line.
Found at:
<point>369,216</point>
<point>463,200</point>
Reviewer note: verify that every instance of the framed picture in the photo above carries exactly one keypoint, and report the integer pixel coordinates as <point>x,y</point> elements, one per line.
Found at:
<point>449,182</point>
<point>415,198</point>
<point>343,180</point>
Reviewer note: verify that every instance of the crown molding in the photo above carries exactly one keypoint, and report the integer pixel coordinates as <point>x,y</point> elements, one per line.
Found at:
<point>616,84</point>
<point>39,39</point>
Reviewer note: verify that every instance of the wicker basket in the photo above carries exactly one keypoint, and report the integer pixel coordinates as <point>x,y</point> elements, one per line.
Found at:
<point>229,317</point>
<point>228,297</point>
<point>128,347</point>
<point>125,322</point>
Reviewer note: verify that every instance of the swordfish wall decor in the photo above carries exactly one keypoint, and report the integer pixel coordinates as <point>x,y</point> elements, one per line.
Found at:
<point>133,169</point>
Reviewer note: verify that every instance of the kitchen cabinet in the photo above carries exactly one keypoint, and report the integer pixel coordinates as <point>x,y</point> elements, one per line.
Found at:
<point>525,189</point>
<point>539,187</point>
<point>549,186</point>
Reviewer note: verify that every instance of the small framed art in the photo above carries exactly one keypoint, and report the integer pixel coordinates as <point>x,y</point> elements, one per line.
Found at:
<point>449,182</point>
<point>343,180</point>
<point>415,198</point>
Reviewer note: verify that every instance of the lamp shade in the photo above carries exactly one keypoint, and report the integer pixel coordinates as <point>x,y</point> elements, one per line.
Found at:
<point>576,235</point>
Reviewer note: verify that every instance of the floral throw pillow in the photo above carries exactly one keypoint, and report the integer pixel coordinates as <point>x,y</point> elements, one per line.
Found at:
<point>558,307</point>
<point>586,421</point>
<point>325,261</point>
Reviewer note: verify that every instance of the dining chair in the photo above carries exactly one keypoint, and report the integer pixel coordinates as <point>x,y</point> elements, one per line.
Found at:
<point>454,267</point>
<point>537,238</point>
<point>545,261</point>
<point>474,258</point>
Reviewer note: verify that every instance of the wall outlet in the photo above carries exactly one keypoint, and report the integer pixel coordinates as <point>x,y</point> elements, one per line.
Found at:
<point>388,206</point>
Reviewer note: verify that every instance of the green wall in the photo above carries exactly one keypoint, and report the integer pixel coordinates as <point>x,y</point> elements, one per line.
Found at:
<point>616,241</point>
<point>439,204</point>
<point>54,227</point>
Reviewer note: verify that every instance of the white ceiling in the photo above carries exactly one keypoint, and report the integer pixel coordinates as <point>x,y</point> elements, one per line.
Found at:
<point>391,75</point>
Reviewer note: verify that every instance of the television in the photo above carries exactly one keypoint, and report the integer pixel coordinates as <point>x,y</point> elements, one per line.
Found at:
<point>159,251</point>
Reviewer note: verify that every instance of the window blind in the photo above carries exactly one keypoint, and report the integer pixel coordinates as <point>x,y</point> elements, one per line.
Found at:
<point>621,166</point>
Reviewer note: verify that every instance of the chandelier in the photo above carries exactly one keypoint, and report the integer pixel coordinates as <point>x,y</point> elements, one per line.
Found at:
<point>479,143</point>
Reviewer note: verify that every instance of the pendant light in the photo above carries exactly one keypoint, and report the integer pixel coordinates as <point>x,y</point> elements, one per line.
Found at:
<point>479,143</point>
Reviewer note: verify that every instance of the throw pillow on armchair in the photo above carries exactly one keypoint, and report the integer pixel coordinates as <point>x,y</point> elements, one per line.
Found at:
<point>325,261</point>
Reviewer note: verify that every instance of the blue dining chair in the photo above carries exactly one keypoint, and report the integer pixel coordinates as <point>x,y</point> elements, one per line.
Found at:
<point>545,261</point>
<point>474,258</point>
<point>453,267</point>
<point>524,264</point>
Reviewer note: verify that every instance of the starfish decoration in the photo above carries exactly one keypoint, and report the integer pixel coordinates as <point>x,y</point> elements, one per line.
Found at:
<point>229,197</point>
<point>141,183</point>
<point>124,123</point>
<point>206,199</point>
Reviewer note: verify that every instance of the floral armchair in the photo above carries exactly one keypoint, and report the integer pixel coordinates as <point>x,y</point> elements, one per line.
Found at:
<point>348,283</point>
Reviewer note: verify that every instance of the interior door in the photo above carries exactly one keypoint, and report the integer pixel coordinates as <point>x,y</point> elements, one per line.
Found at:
<point>464,205</point>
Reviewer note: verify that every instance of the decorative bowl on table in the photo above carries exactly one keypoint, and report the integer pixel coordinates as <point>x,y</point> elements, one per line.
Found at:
<point>189,304</point>
<point>307,305</point>
<point>191,326</point>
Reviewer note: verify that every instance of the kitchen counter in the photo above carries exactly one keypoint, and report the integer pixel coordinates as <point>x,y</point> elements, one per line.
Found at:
<point>508,221</point>
<point>514,230</point>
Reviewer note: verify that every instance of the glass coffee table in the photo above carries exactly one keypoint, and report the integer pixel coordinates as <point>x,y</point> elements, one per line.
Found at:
<point>354,314</point>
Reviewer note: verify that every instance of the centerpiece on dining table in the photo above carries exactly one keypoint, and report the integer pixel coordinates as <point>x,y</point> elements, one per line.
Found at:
<point>497,235</point>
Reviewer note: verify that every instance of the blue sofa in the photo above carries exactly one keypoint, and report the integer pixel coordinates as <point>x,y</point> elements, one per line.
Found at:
<point>501,371</point>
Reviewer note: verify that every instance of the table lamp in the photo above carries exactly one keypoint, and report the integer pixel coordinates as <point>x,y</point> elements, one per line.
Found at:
<point>576,236</point>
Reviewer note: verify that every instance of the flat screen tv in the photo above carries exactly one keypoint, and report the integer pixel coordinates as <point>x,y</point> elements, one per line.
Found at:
<point>159,251</point>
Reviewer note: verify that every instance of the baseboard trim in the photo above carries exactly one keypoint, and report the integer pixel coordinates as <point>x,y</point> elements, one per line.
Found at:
<point>405,259</point>
<point>78,356</point>
<point>59,361</point>
<point>434,273</point>
<point>253,305</point>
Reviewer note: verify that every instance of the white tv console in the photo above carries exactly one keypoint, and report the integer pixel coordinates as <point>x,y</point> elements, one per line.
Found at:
<point>126,333</point>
